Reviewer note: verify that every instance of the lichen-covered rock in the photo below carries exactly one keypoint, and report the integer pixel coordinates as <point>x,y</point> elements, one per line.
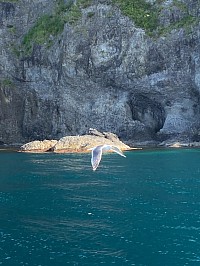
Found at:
<point>74,143</point>
<point>84,143</point>
<point>38,146</point>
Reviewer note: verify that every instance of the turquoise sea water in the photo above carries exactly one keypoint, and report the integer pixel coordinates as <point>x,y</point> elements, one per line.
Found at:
<point>140,210</point>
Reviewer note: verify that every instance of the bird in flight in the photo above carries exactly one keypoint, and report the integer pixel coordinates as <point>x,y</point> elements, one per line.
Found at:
<point>97,153</point>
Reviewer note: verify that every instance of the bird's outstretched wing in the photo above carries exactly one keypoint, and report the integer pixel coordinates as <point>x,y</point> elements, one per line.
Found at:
<point>96,157</point>
<point>117,150</point>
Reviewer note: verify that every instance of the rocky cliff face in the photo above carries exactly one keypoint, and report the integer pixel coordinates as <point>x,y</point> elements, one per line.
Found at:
<point>98,69</point>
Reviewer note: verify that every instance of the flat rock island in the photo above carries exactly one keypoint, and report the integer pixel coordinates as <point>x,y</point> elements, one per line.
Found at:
<point>71,144</point>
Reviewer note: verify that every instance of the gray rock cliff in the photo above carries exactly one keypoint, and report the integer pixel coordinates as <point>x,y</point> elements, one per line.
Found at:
<point>98,70</point>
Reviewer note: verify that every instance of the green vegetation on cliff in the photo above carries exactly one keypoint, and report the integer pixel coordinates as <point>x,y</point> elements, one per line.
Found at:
<point>145,15</point>
<point>49,26</point>
<point>9,1</point>
<point>46,26</point>
<point>6,83</point>
<point>186,23</point>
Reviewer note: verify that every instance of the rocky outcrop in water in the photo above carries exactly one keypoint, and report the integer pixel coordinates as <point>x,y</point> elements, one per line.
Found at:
<point>100,70</point>
<point>38,146</point>
<point>75,143</point>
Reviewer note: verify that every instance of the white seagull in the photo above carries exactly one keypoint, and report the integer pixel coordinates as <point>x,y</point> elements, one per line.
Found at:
<point>97,153</point>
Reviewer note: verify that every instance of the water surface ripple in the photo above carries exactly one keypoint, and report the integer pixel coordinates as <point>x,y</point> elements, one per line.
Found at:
<point>142,210</point>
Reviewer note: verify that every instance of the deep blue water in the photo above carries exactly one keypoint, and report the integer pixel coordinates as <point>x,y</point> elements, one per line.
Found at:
<point>140,210</point>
